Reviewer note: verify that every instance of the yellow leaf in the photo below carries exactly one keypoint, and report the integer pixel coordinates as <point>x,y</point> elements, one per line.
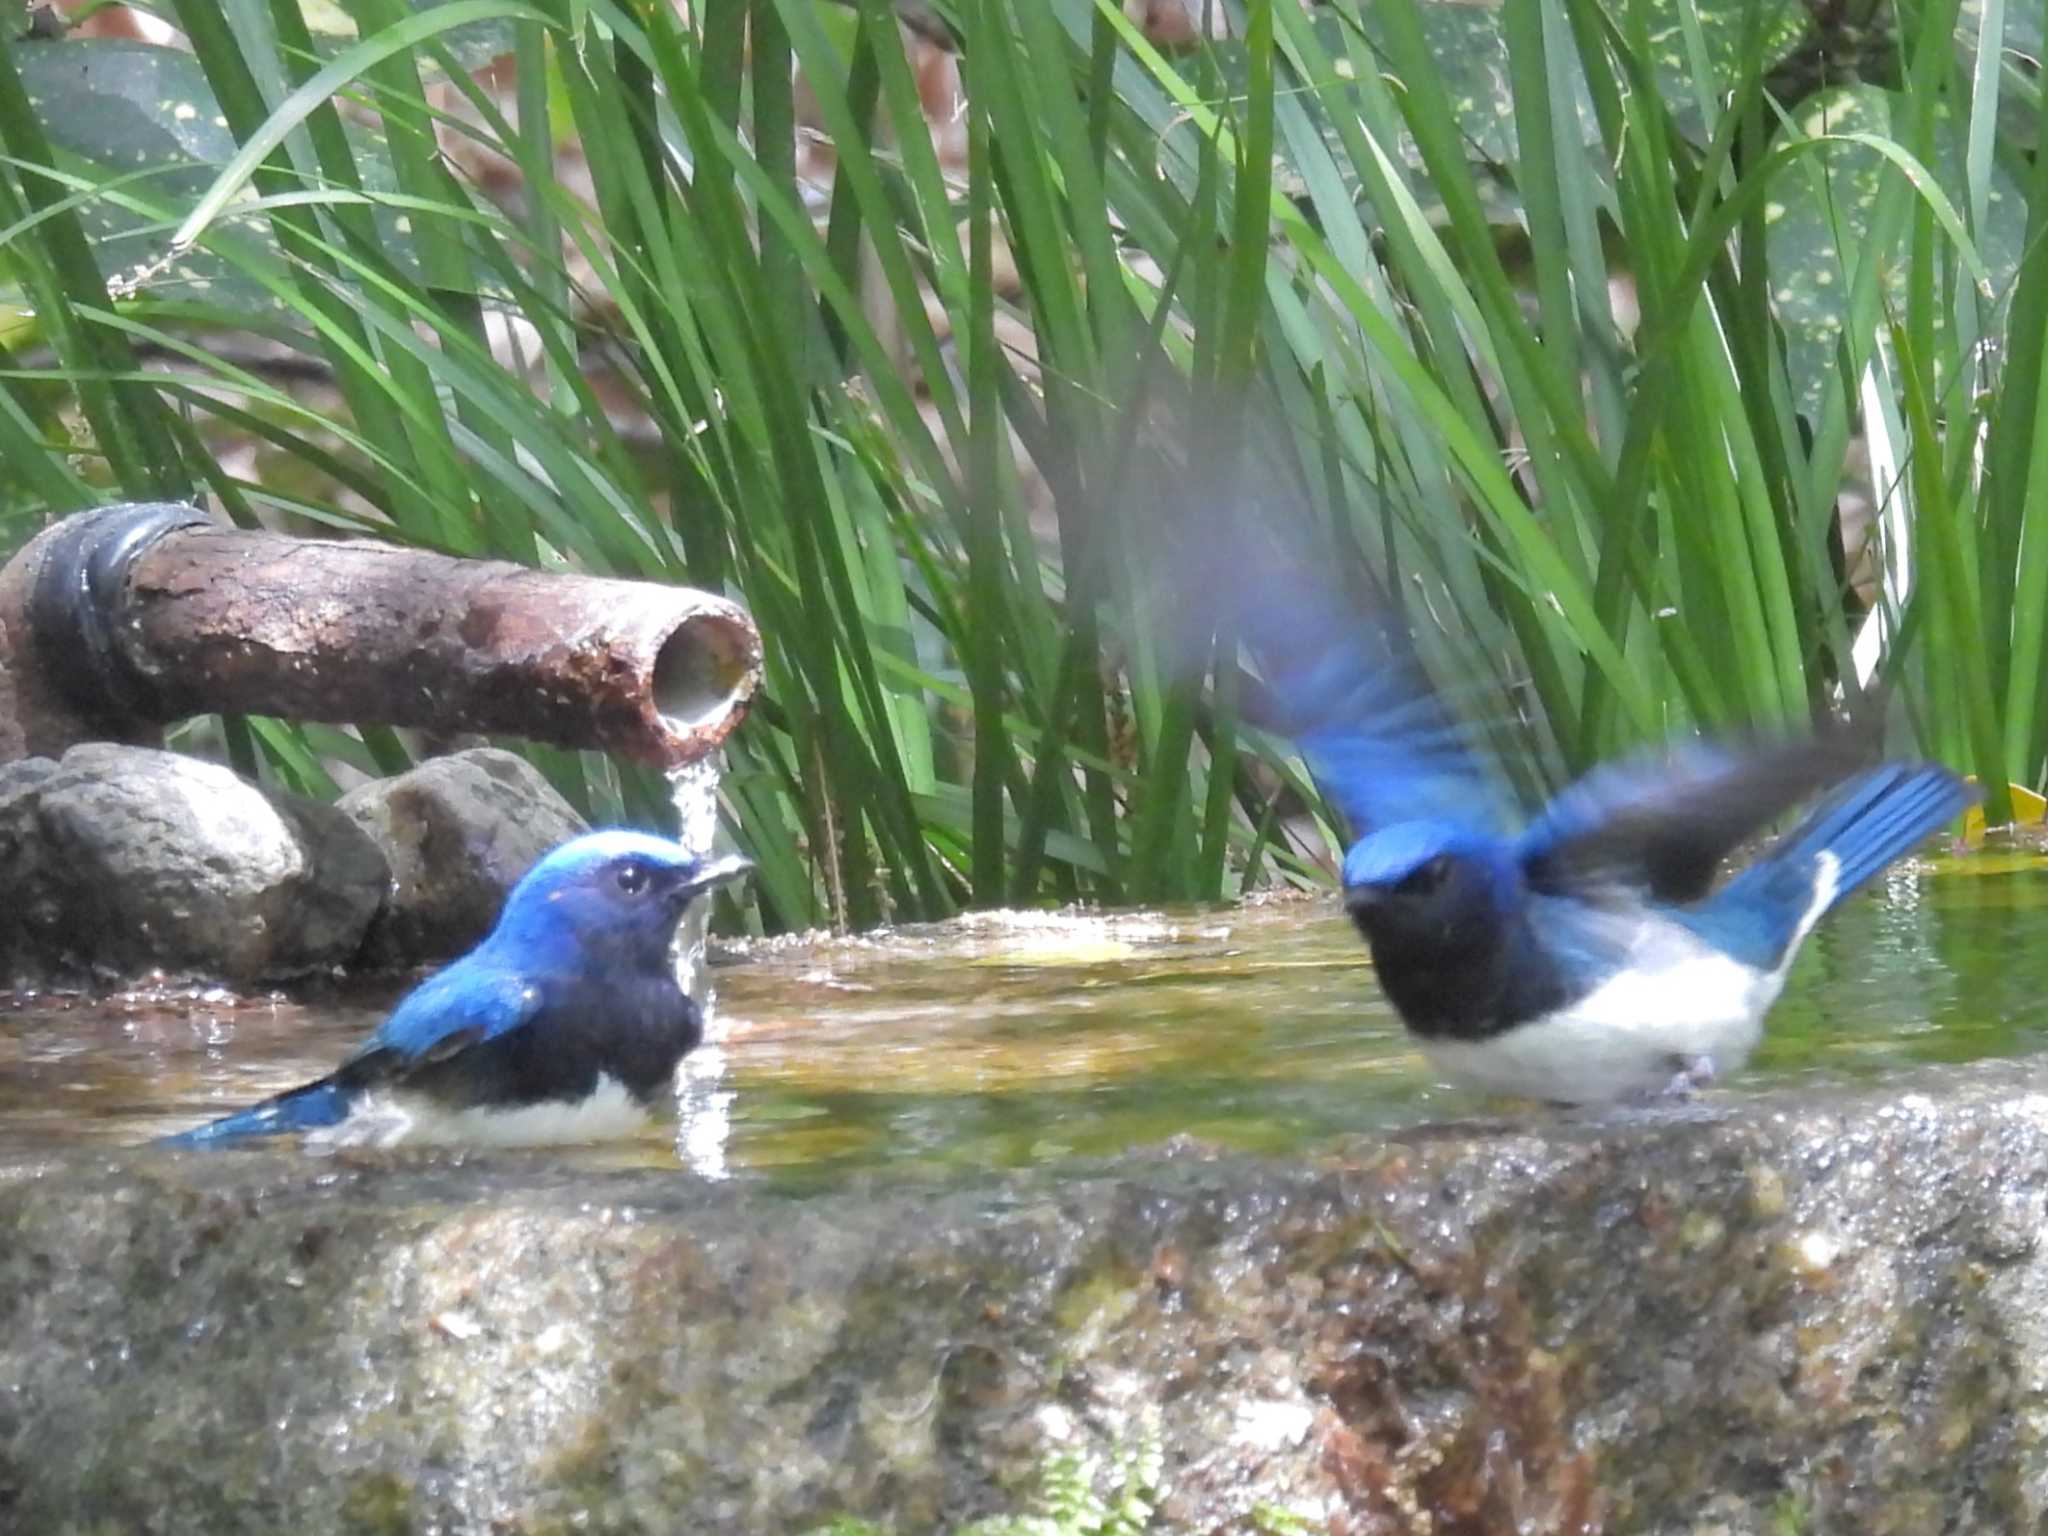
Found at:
<point>2027,809</point>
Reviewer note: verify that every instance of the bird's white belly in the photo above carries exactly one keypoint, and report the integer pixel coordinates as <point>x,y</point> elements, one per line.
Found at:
<point>1627,1038</point>
<point>381,1120</point>
<point>1677,1003</point>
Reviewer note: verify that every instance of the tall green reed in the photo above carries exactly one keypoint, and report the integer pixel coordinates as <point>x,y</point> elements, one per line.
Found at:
<point>1533,367</point>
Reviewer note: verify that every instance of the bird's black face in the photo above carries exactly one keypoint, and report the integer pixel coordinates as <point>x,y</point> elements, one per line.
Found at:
<point>1443,902</point>
<point>1435,920</point>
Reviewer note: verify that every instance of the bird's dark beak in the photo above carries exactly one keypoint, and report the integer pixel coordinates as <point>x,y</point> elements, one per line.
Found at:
<point>1361,898</point>
<point>716,872</point>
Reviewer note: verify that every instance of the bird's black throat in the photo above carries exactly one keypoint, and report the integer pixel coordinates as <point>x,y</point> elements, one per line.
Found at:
<point>1466,975</point>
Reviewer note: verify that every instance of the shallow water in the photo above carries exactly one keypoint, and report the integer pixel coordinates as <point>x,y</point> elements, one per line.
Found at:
<point>1017,1039</point>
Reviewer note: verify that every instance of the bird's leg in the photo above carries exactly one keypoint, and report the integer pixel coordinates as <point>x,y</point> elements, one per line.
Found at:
<point>1689,1074</point>
<point>1693,1073</point>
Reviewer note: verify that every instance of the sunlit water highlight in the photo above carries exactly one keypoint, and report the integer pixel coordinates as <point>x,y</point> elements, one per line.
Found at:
<point>1038,1039</point>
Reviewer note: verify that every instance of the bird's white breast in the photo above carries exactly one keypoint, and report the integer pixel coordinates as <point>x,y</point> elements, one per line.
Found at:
<point>387,1120</point>
<point>1677,1001</point>
<point>1627,1038</point>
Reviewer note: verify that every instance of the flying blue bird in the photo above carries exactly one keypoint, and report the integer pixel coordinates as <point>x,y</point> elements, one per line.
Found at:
<point>1586,956</point>
<point>565,1024</point>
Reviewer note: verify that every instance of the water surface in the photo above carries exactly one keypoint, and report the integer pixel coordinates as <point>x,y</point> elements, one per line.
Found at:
<point>1032,1038</point>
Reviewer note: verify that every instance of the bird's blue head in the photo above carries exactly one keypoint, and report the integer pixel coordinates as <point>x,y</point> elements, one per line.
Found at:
<point>608,895</point>
<point>1430,882</point>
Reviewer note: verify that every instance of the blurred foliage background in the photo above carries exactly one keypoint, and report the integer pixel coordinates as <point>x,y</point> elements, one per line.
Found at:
<point>1671,364</point>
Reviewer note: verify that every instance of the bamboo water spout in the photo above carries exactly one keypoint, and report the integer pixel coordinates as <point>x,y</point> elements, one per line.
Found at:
<point>117,622</point>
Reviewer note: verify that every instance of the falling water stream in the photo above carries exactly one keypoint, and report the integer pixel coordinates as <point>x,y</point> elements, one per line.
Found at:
<point>703,1097</point>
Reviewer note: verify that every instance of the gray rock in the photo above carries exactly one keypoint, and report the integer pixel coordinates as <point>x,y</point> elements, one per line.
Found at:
<point>1778,1315</point>
<point>24,773</point>
<point>347,883</point>
<point>122,860</point>
<point>458,832</point>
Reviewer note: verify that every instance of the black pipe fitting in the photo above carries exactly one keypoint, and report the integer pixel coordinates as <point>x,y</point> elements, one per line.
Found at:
<point>75,608</point>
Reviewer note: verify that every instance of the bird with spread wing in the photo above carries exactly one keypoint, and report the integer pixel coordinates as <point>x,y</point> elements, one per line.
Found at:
<point>1590,953</point>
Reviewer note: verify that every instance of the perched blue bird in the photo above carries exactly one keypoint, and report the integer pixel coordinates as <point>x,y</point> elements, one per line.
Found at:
<point>1586,956</point>
<point>565,1024</point>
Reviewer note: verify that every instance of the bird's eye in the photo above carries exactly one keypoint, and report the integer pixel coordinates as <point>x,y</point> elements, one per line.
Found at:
<point>632,878</point>
<point>1425,878</point>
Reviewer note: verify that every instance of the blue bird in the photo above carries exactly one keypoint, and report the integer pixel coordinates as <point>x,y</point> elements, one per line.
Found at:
<point>565,1024</point>
<point>1586,956</point>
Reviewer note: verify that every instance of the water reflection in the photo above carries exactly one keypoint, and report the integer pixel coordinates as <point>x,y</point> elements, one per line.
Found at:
<point>1035,1039</point>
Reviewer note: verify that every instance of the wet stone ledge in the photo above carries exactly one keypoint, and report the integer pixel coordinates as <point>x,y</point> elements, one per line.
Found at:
<point>1769,1314</point>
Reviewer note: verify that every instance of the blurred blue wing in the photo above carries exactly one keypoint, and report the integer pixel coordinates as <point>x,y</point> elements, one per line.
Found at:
<point>1335,671</point>
<point>1355,701</point>
<point>1662,825</point>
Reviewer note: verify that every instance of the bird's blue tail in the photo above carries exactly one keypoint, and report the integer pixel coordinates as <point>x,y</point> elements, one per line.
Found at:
<point>1875,819</point>
<point>1868,823</point>
<point>310,1108</point>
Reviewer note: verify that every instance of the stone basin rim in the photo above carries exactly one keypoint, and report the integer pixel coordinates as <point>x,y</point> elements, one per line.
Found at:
<point>1660,1323</point>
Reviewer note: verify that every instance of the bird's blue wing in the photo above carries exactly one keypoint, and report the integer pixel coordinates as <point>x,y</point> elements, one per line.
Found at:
<point>1251,564</point>
<point>474,999</point>
<point>1660,826</point>
<point>1354,698</point>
